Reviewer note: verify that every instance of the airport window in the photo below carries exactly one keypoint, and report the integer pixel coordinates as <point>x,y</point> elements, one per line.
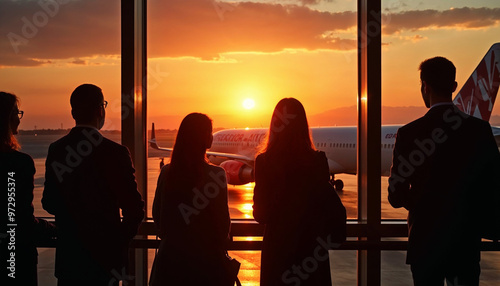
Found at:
<point>248,72</point>
<point>47,50</point>
<point>44,47</point>
<point>229,67</point>
<point>398,43</point>
<point>420,42</point>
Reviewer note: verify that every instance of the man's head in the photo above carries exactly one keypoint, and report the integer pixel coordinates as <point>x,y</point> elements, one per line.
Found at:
<point>438,80</point>
<point>88,105</point>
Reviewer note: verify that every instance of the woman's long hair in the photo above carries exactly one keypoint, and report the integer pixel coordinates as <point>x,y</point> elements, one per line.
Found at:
<point>189,154</point>
<point>7,140</point>
<point>289,135</point>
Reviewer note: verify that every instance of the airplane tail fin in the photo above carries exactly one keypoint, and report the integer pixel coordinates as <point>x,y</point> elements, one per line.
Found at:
<point>152,141</point>
<point>479,92</point>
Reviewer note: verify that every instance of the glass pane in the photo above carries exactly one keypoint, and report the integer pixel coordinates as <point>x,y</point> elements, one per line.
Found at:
<point>461,31</point>
<point>48,49</point>
<point>235,60</point>
<point>394,270</point>
<point>343,265</point>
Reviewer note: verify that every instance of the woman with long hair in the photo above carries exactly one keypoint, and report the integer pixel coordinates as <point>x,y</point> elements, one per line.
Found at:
<point>288,173</point>
<point>10,118</point>
<point>190,211</point>
<point>17,170</point>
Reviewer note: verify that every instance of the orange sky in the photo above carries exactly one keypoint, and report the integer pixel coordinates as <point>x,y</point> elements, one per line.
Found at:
<point>209,56</point>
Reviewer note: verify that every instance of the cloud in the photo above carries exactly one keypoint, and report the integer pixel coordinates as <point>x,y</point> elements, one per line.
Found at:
<point>79,62</point>
<point>309,2</point>
<point>203,31</point>
<point>413,39</point>
<point>464,18</point>
<point>33,34</point>
<point>61,29</point>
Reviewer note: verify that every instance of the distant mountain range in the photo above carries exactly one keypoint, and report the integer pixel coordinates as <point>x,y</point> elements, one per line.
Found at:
<point>400,115</point>
<point>342,116</point>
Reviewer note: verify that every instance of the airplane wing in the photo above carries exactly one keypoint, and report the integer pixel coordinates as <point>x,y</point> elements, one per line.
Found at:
<point>495,130</point>
<point>496,134</point>
<point>154,145</point>
<point>229,156</point>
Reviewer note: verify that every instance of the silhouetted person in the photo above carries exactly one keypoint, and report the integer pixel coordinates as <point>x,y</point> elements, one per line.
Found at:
<point>88,180</point>
<point>190,211</point>
<point>445,165</point>
<point>162,163</point>
<point>19,228</point>
<point>289,176</point>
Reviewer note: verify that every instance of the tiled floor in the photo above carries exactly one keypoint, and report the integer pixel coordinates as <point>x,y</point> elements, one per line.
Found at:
<point>394,270</point>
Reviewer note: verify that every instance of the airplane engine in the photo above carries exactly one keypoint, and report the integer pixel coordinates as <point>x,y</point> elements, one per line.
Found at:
<point>238,173</point>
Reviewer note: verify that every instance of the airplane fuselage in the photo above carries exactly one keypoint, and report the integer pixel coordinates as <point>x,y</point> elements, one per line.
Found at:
<point>339,144</point>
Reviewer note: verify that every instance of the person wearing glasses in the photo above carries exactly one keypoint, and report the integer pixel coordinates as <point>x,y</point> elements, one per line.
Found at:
<point>19,229</point>
<point>88,180</point>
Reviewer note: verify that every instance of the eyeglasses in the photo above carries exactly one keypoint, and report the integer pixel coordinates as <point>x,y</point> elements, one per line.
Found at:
<point>20,114</point>
<point>104,104</point>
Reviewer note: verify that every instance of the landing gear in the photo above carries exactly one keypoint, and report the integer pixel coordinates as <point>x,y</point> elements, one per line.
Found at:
<point>337,184</point>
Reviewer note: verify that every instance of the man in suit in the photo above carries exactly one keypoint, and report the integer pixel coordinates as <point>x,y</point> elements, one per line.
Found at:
<point>88,180</point>
<point>445,168</point>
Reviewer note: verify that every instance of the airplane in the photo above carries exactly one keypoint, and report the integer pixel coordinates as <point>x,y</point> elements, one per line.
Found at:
<point>235,149</point>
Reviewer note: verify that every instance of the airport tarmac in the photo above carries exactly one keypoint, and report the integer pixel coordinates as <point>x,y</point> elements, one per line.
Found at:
<point>343,263</point>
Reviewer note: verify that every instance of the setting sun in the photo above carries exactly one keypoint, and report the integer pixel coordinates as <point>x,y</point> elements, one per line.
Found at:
<point>248,103</point>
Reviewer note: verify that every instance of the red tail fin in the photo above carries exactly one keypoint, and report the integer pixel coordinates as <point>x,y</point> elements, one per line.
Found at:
<point>479,92</point>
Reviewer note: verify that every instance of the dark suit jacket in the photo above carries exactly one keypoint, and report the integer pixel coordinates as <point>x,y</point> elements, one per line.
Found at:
<point>445,166</point>
<point>88,180</point>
